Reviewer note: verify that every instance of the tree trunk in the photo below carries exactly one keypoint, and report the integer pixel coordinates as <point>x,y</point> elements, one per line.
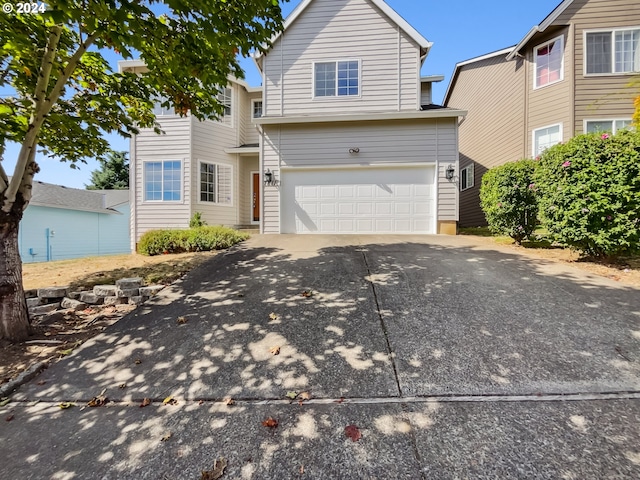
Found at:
<point>14,317</point>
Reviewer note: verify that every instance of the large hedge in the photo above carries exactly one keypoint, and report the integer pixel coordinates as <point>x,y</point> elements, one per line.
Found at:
<point>589,193</point>
<point>200,239</point>
<point>508,199</point>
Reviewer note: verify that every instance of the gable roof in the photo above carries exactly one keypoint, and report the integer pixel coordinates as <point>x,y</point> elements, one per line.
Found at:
<point>546,23</point>
<point>386,9</point>
<point>57,196</point>
<point>456,69</point>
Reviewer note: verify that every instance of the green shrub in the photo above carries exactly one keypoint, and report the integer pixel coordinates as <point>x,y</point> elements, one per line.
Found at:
<point>201,239</point>
<point>197,221</point>
<point>508,199</point>
<point>590,193</point>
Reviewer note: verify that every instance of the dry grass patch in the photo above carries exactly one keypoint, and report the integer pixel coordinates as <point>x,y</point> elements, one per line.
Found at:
<point>87,272</point>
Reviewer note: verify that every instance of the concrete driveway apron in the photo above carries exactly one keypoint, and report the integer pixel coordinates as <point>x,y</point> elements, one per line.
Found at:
<point>453,360</point>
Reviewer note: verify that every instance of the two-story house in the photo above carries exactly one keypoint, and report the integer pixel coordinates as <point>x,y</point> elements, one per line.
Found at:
<point>568,75</point>
<point>342,137</point>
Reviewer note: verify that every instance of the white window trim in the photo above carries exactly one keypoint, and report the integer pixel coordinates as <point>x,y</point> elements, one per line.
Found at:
<point>198,186</point>
<point>613,56</point>
<point>253,102</point>
<point>336,96</point>
<point>535,62</point>
<point>533,136</point>
<point>144,182</point>
<point>227,120</point>
<point>470,169</point>
<point>613,120</point>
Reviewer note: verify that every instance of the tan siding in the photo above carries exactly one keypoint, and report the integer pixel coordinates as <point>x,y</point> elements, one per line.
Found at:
<point>250,132</point>
<point>417,142</point>
<point>173,145</point>
<point>492,91</point>
<point>337,30</point>
<point>247,166</point>
<point>606,96</point>
<point>551,104</point>
<point>271,194</point>
<point>209,141</point>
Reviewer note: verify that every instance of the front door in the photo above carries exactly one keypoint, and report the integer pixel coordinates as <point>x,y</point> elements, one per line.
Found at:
<point>255,197</point>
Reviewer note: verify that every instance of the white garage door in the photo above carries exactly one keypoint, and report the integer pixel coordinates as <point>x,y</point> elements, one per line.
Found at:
<point>371,200</point>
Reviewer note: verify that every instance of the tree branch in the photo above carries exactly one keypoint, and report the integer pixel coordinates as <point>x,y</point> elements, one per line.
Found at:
<point>28,146</point>
<point>37,117</point>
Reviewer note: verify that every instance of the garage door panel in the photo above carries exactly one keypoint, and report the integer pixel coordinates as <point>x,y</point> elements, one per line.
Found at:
<point>374,200</point>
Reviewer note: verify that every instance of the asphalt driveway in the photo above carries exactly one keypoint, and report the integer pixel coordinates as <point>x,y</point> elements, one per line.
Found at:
<point>453,360</point>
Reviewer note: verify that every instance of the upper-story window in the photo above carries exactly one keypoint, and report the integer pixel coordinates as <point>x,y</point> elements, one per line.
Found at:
<point>340,79</point>
<point>159,110</point>
<point>612,51</point>
<point>548,58</point>
<point>256,108</point>
<point>162,181</point>
<point>225,98</point>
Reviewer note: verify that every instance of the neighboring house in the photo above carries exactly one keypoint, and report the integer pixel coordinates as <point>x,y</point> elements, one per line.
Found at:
<point>567,76</point>
<point>341,138</point>
<point>62,223</point>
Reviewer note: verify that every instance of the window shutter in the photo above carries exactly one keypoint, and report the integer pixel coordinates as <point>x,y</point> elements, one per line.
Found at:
<point>224,185</point>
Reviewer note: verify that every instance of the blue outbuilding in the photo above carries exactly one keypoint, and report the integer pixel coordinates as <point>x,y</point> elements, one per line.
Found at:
<point>62,223</point>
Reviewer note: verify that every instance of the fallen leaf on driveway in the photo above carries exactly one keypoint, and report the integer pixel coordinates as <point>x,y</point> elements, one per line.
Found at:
<point>353,432</point>
<point>99,401</point>
<point>273,316</point>
<point>170,401</point>
<point>292,395</point>
<point>41,382</point>
<point>217,472</point>
<point>138,361</point>
<point>166,437</point>
<point>65,405</point>
<point>274,350</point>
<point>122,386</point>
<point>145,402</point>
<point>182,320</point>
<point>4,401</point>
<point>307,294</point>
<point>305,396</point>
<point>229,401</point>
<point>270,423</point>
<point>340,400</point>
<point>10,417</point>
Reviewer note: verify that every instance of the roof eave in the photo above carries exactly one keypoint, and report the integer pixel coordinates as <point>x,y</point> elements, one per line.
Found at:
<point>364,117</point>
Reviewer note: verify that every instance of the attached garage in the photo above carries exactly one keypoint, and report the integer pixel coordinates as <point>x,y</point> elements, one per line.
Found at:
<point>383,199</point>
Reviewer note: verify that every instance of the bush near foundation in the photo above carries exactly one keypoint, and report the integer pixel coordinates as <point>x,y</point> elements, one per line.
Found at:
<point>509,201</point>
<point>200,239</point>
<point>589,193</point>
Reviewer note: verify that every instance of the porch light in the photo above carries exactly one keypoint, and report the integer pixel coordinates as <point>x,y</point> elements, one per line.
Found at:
<point>269,178</point>
<point>449,172</point>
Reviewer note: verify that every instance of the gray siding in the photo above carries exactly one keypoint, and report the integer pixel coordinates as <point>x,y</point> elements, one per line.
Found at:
<point>175,144</point>
<point>337,30</point>
<point>426,141</point>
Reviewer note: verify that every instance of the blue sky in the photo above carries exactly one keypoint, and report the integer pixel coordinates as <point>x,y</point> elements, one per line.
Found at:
<point>459,30</point>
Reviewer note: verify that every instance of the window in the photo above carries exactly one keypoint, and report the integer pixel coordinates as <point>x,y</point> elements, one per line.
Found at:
<point>548,58</point>
<point>159,110</point>
<point>224,97</point>
<point>163,181</point>
<point>215,183</point>
<point>613,126</point>
<point>340,79</point>
<point>256,106</point>
<point>546,137</point>
<point>466,177</point>
<point>612,51</point>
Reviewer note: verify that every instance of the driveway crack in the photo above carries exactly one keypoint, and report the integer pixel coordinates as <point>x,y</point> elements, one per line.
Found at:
<point>383,326</point>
